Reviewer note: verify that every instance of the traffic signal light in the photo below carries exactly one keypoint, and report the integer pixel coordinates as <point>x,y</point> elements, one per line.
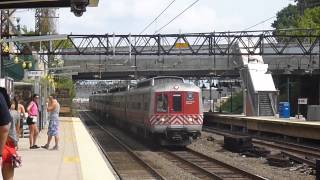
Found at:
<point>27,65</point>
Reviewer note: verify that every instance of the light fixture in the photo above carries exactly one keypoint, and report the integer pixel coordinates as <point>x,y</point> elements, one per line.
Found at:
<point>16,59</point>
<point>6,49</point>
<point>29,65</point>
<point>24,65</point>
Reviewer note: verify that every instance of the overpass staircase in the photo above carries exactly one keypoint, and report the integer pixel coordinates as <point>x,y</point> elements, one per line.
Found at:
<point>265,106</point>
<point>261,96</point>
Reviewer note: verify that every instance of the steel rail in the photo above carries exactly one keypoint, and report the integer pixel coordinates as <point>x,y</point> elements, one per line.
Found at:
<point>100,147</point>
<point>300,159</point>
<point>154,172</point>
<point>217,170</point>
<point>286,147</point>
<point>308,151</point>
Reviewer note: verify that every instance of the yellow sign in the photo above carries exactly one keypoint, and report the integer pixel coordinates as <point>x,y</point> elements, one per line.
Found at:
<point>182,45</point>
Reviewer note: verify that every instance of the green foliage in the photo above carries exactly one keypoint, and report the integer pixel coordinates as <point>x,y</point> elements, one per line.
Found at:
<point>287,18</point>
<point>62,44</point>
<point>311,19</point>
<point>303,4</point>
<point>66,83</point>
<point>47,81</point>
<point>237,104</point>
<point>304,15</point>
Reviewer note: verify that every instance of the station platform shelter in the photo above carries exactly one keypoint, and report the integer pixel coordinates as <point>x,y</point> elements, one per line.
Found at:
<point>78,156</point>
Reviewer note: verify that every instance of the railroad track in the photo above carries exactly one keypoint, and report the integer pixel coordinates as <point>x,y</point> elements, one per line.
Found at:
<point>311,153</point>
<point>205,167</point>
<point>126,163</point>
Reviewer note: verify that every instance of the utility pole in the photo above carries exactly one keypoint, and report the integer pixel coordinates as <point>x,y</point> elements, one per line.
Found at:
<point>1,61</point>
<point>4,29</point>
<point>44,24</point>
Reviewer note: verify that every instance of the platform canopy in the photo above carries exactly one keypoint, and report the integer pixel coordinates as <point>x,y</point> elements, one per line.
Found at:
<point>16,4</point>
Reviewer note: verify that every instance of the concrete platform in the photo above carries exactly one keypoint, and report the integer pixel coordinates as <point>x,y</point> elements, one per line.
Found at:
<point>78,156</point>
<point>286,127</point>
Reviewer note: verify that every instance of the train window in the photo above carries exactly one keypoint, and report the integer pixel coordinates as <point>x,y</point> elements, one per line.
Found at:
<point>162,103</point>
<point>177,103</point>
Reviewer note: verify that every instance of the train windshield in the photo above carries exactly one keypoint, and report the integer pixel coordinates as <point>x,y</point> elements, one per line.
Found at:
<point>177,103</point>
<point>162,103</point>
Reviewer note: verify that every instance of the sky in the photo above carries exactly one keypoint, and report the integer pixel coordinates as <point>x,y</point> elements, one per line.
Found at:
<point>132,16</point>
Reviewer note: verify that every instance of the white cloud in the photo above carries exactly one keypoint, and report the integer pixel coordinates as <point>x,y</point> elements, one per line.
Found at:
<point>125,16</point>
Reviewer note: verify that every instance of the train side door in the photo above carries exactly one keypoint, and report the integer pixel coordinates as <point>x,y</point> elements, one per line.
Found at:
<point>176,103</point>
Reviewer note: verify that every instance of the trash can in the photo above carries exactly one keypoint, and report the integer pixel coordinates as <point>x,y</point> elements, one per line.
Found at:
<point>284,110</point>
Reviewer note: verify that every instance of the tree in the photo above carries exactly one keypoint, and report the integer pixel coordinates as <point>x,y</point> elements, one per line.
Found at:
<point>66,83</point>
<point>304,4</point>
<point>310,19</point>
<point>287,18</point>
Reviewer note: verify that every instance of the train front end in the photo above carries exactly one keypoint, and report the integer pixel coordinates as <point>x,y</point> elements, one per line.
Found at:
<point>177,116</point>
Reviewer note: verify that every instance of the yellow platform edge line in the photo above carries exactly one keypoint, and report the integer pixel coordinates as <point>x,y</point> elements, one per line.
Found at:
<point>92,163</point>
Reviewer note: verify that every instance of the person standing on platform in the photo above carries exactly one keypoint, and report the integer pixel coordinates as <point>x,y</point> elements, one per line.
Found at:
<point>22,113</point>
<point>15,119</point>
<point>32,120</point>
<point>9,151</point>
<point>5,119</point>
<point>53,129</point>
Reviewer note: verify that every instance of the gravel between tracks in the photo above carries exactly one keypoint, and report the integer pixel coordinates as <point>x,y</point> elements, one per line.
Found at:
<point>253,165</point>
<point>166,168</point>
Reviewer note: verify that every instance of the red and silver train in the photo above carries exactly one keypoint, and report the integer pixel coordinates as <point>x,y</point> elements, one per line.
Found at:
<point>164,108</point>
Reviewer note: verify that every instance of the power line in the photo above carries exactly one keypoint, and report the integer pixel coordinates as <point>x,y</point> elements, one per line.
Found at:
<point>177,16</point>
<point>157,17</point>
<point>259,23</point>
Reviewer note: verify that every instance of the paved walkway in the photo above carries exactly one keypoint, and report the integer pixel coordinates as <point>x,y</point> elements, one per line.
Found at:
<point>78,156</point>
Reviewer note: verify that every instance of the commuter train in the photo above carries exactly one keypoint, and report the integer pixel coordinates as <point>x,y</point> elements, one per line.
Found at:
<point>164,109</point>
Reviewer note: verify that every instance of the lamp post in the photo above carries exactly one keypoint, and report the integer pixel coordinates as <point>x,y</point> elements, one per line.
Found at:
<point>210,94</point>
<point>1,51</point>
<point>203,97</point>
<point>220,90</point>
<point>288,89</point>
<point>288,72</point>
<point>230,96</point>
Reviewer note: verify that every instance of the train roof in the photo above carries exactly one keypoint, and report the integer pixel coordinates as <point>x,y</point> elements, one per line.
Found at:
<point>166,83</point>
<point>174,86</point>
<point>159,80</point>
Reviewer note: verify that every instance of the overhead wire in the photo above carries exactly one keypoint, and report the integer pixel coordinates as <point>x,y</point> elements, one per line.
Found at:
<point>177,16</point>
<point>259,23</point>
<point>157,17</point>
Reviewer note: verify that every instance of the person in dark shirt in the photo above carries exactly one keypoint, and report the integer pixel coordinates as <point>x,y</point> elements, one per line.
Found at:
<point>5,119</point>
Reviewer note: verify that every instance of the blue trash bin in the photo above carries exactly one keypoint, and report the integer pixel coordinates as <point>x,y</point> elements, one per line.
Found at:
<point>284,110</point>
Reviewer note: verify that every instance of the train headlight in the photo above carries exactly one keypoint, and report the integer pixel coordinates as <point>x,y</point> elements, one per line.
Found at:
<point>162,119</point>
<point>190,119</point>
